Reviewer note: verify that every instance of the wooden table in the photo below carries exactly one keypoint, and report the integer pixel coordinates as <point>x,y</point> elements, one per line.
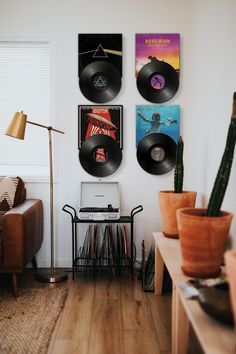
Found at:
<point>215,338</point>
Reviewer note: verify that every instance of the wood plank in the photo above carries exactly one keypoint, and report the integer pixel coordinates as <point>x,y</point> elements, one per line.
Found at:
<point>132,290</point>
<point>107,287</point>
<point>140,341</point>
<point>106,315</point>
<point>134,304</point>
<point>75,321</point>
<point>106,327</point>
<point>69,347</point>
<point>136,315</point>
<point>106,342</point>
<point>160,310</point>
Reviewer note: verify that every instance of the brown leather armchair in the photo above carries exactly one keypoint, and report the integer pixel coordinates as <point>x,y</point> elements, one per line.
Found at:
<point>21,234</point>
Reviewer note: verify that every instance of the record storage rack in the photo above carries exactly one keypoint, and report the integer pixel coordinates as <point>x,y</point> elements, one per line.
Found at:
<point>126,219</point>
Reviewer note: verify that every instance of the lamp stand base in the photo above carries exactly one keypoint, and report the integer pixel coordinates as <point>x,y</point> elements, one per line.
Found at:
<point>52,276</point>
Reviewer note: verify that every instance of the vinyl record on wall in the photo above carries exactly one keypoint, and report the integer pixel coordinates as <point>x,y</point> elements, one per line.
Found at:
<point>100,81</point>
<point>100,155</point>
<point>157,81</point>
<point>156,153</point>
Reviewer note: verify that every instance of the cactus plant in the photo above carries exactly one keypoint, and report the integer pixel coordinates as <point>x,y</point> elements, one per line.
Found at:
<point>222,178</point>
<point>172,200</point>
<point>179,167</point>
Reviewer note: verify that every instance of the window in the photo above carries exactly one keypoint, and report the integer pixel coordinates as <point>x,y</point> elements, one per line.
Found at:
<point>24,86</point>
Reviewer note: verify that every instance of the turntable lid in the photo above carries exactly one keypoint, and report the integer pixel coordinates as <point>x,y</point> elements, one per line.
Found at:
<point>99,194</point>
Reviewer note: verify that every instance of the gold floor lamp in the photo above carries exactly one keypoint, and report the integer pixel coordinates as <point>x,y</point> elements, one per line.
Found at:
<point>16,129</point>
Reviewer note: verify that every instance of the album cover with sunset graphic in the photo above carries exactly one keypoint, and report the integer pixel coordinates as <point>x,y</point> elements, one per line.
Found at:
<point>164,47</point>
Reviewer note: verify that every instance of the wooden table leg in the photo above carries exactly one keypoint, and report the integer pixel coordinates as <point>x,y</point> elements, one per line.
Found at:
<point>180,324</point>
<point>173,320</point>
<point>159,272</point>
<point>14,284</point>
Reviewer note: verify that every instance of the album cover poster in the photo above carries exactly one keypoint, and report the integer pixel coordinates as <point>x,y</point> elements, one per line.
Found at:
<point>107,120</point>
<point>100,46</point>
<point>164,47</point>
<point>163,119</point>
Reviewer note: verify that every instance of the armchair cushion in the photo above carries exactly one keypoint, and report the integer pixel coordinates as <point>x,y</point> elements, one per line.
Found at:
<point>22,235</point>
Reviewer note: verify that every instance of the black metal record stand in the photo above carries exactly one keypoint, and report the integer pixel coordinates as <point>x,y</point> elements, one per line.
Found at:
<point>127,219</point>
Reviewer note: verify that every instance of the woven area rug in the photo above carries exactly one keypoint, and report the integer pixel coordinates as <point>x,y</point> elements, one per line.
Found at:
<point>27,322</point>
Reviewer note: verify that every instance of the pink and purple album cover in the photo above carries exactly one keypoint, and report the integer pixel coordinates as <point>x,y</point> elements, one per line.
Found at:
<point>165,47</point>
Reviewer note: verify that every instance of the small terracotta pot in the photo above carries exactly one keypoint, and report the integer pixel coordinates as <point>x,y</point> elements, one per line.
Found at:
<point>203,241</point>
<point>230,261</point>
<point>169,202</point>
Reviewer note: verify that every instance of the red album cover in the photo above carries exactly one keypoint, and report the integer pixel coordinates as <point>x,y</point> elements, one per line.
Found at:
<point>93,120</point>
<point>164,47</point>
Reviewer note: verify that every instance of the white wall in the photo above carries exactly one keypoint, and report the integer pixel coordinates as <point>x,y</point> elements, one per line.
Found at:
<point>205,95</point>
<point>211,83</point>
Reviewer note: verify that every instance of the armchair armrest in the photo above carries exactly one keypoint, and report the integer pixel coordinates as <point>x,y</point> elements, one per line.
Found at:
<point>22,234</point>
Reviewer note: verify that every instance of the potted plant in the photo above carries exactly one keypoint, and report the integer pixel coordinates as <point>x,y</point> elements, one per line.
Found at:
<point>171,200</point>
<point>204,232</point>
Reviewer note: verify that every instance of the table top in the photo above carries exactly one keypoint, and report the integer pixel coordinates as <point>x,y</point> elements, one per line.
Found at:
<point>123,219</point>
<point>215,338</point>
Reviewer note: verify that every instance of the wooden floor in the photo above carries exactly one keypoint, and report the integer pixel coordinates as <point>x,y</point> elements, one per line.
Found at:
<point>105,315</point>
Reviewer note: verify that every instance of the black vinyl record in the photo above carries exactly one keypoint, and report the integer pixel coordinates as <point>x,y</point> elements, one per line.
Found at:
<point>100,155</point>
<point>100,81</point>
<point>156,153</point>
<point>157,81</point>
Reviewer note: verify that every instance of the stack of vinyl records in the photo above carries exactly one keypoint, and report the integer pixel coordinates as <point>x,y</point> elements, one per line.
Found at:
<point>105,246</point>
<point>148,268</point>
<point>148,271</point>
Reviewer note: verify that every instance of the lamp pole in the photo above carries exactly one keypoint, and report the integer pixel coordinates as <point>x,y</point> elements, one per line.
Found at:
<point>53,276</point>
<point>16,129</point>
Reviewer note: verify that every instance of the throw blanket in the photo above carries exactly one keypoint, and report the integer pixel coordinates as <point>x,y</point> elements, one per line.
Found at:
<point>8,186</point>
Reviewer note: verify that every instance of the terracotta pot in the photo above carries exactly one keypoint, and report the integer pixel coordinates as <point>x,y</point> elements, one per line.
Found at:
<point>230,261</point>
<point>203,241</point>
<point>169,202</point>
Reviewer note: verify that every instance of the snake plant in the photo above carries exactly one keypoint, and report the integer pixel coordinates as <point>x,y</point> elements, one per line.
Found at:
<point>179,167</point>
<point>222,178</point>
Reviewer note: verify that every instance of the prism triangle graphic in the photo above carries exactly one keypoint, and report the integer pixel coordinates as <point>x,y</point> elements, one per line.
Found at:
<point>100,52</point>
<point>100,82</point>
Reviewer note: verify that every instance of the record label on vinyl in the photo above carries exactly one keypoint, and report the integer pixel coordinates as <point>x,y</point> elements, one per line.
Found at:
<point>100,155</point>
<point>156,153</point>
<point>157,81</point>
<point>100,81</point>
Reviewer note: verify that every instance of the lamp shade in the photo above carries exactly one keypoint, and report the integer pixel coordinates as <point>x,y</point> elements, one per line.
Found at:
<point>16,128</point>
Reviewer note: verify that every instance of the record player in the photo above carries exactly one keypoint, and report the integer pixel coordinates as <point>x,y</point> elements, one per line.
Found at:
<point>99,201</point>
